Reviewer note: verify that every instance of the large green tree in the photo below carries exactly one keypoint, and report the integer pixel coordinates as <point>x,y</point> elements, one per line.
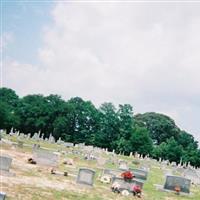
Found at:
<point>170,150</point>
<point>140,141</point>
<point>77,120</point>
<point>8,103</point>
<point>83,120</point>
<point>107,134</point>
<point>160,127</point>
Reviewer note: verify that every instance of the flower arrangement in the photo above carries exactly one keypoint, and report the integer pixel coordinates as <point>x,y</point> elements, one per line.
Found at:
<point>177,189</point>
<point>127,175</point>
<point>137,191</point>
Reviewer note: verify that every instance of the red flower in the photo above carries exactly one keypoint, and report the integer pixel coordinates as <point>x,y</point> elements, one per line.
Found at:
<point>127,175</point>
<point>137,189</point>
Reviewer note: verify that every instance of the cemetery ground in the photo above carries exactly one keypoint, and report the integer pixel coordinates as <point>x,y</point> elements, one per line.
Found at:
<point>35,182</point>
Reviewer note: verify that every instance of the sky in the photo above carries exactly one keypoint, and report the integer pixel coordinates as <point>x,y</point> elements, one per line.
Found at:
<point>144,53</point>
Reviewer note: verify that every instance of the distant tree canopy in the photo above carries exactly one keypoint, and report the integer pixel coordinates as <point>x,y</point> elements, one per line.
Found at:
<point>160,127</point>
<point>109,127</point>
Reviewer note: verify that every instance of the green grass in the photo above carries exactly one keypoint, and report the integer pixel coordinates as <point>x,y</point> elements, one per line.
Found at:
<point>100,191</point>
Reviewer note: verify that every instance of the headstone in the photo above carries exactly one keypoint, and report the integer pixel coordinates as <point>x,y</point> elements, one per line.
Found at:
<point>139,173</point>
<point>59,141</point>
<point>68,144</point>
<point>81,145</point>
<point>110,172</point>
<point>180,170</point>
<point>28,136</point>
<point>86,176</point>
<point>123,165</point>
<point>45,157</point>
<point>11,131</point>
<point>126,185</point>
<point>88,148</point>
<point>173,164</point>
<point>5,163</point>
<point>36,136</point>
<point>18,133</point>
<point>42,137</point>
<point>174,181</point>
<point>51,139</point>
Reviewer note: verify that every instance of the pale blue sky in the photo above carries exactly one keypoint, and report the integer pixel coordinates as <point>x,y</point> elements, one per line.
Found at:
<point>145,54</point>
<point>25,21</point>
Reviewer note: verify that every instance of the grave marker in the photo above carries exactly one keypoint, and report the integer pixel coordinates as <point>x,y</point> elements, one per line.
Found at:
<point>123,165</point>
<point>45,157</point>
<point>5,163</point>
<point>86,176</point>
<point>124,185</point>
<point>139,173</point>
<point>174,181</point>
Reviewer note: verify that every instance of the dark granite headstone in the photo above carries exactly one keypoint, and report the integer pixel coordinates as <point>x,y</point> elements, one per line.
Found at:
<point>174,181</point>
<point>86,176</point>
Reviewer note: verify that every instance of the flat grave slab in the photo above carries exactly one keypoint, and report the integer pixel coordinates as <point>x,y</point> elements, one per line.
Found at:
<point>45,157</point>
<point>85,176</point>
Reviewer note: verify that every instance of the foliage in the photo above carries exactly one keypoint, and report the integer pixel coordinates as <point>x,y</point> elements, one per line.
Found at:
<point>79,121</point>
<point>160,127</point>
<point>140,141</point>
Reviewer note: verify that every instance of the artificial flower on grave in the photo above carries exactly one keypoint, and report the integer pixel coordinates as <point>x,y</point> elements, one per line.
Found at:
<point>177,189</point>
<point>127,175</point>
<point>137,191</point>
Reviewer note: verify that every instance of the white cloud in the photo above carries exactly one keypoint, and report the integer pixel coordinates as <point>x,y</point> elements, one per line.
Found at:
<point>5,39</point>
<point>143,54</point>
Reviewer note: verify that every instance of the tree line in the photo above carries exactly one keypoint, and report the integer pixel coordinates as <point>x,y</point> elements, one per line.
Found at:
<point>79,121</point>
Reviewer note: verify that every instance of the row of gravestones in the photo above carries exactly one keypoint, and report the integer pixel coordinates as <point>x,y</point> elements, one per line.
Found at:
<point>170,183</point>
<point>48,158</point>
<point>86,176</point>
<point>40,137</point>
<point>192,174</point>
<point>37,136</point>
<point>91,148</point>
<point>51,139</point>
<point>188,172</point>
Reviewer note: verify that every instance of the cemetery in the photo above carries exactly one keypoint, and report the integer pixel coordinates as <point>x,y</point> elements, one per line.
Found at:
<point>38,168</point>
